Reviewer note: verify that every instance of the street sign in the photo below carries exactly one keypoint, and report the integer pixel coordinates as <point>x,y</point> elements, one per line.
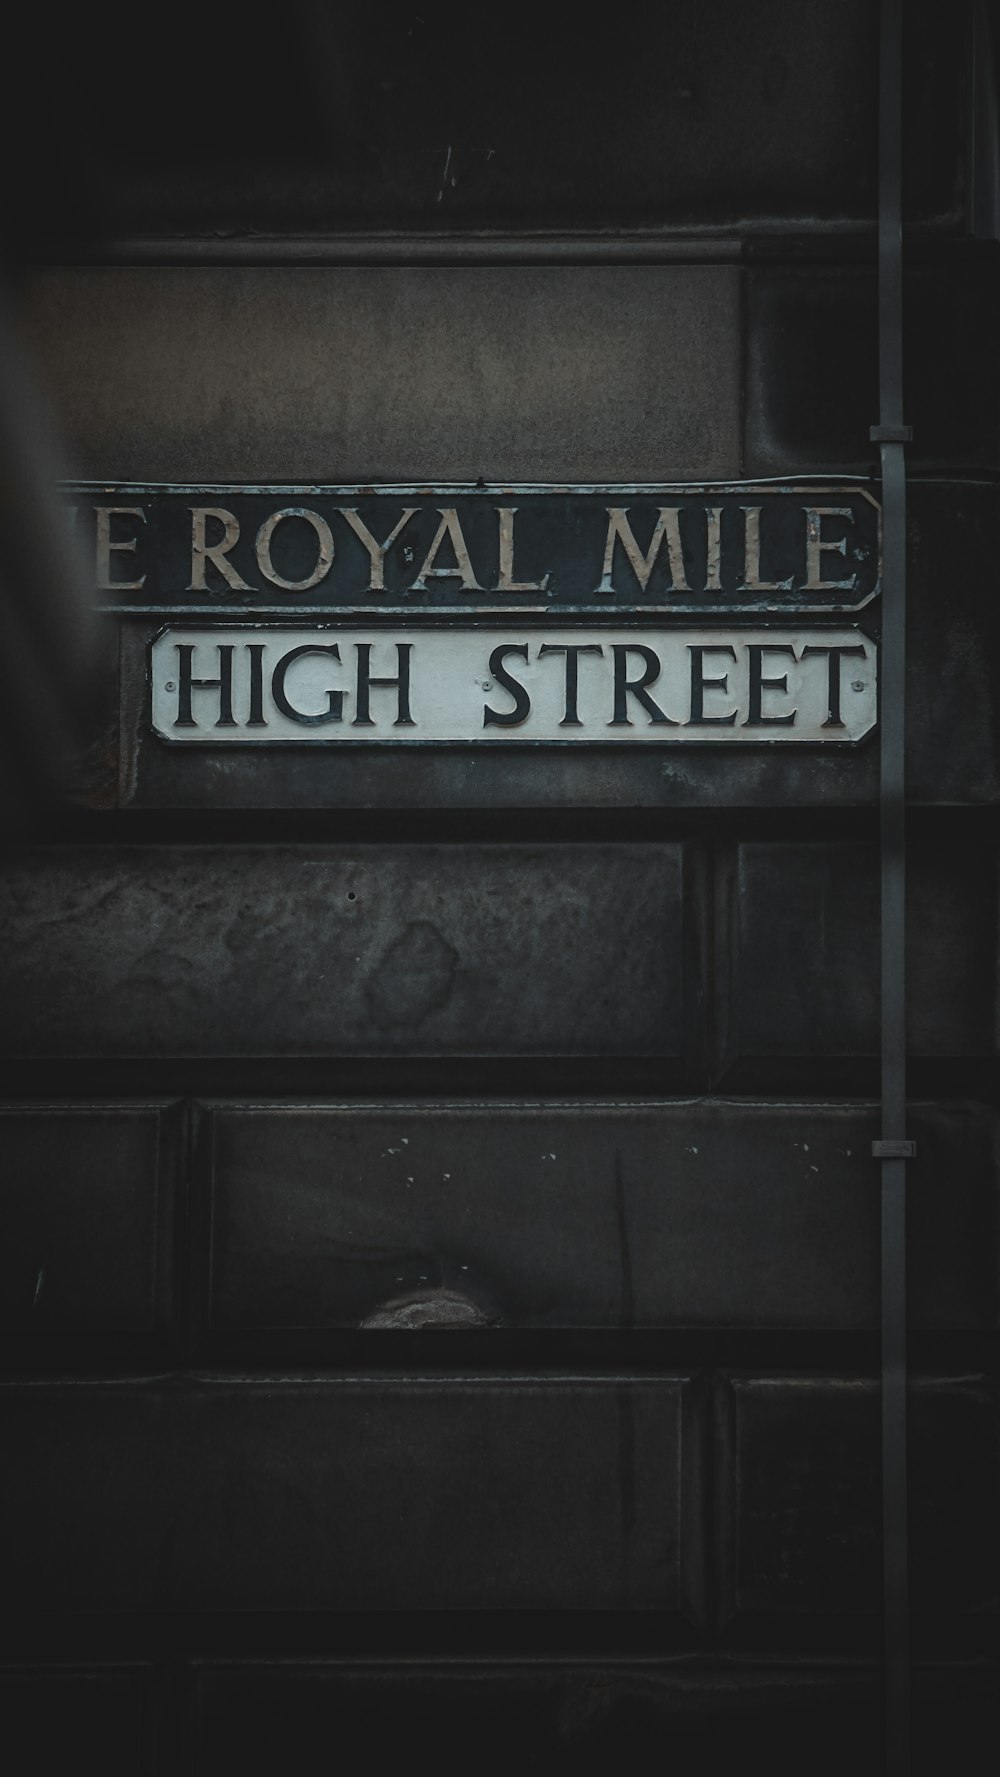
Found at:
<point>668,550</point>
<point>340,684</point>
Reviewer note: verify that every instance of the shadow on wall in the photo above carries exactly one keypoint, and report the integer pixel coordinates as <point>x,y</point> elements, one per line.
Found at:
<point>51,639</point>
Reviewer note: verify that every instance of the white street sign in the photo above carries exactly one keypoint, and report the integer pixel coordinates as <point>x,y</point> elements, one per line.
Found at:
<point>243,684</point>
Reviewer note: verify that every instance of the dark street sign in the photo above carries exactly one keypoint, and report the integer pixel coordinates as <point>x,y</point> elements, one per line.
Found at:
<point>661,550</point>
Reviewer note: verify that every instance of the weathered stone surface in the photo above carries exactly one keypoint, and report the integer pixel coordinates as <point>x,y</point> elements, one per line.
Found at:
<point>678,1214</point>
<point>799,932</point>
<point>87,1218</point>
<point>801,1519</point>
<point>281,1494</point>
<point>325,950</point>
<point>284,374</point>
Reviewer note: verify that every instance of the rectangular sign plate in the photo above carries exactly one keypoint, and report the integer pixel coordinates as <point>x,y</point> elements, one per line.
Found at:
<point>562,552</point>
<point>263,685</point>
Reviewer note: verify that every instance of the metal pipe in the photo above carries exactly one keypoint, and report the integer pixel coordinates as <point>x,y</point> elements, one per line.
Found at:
<point>893,1150</point>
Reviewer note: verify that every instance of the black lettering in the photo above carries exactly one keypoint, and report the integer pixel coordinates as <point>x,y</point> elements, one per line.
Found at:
<point>834,656</point>
<point>572,651</point>
<point>626,687</point>
<point>334,711</point>
<point>699,685</point>
<point>256,717</point>
<point>758,684</point>
<point>223,685</point>
<point>400,684</point>
<point>522,702</point>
